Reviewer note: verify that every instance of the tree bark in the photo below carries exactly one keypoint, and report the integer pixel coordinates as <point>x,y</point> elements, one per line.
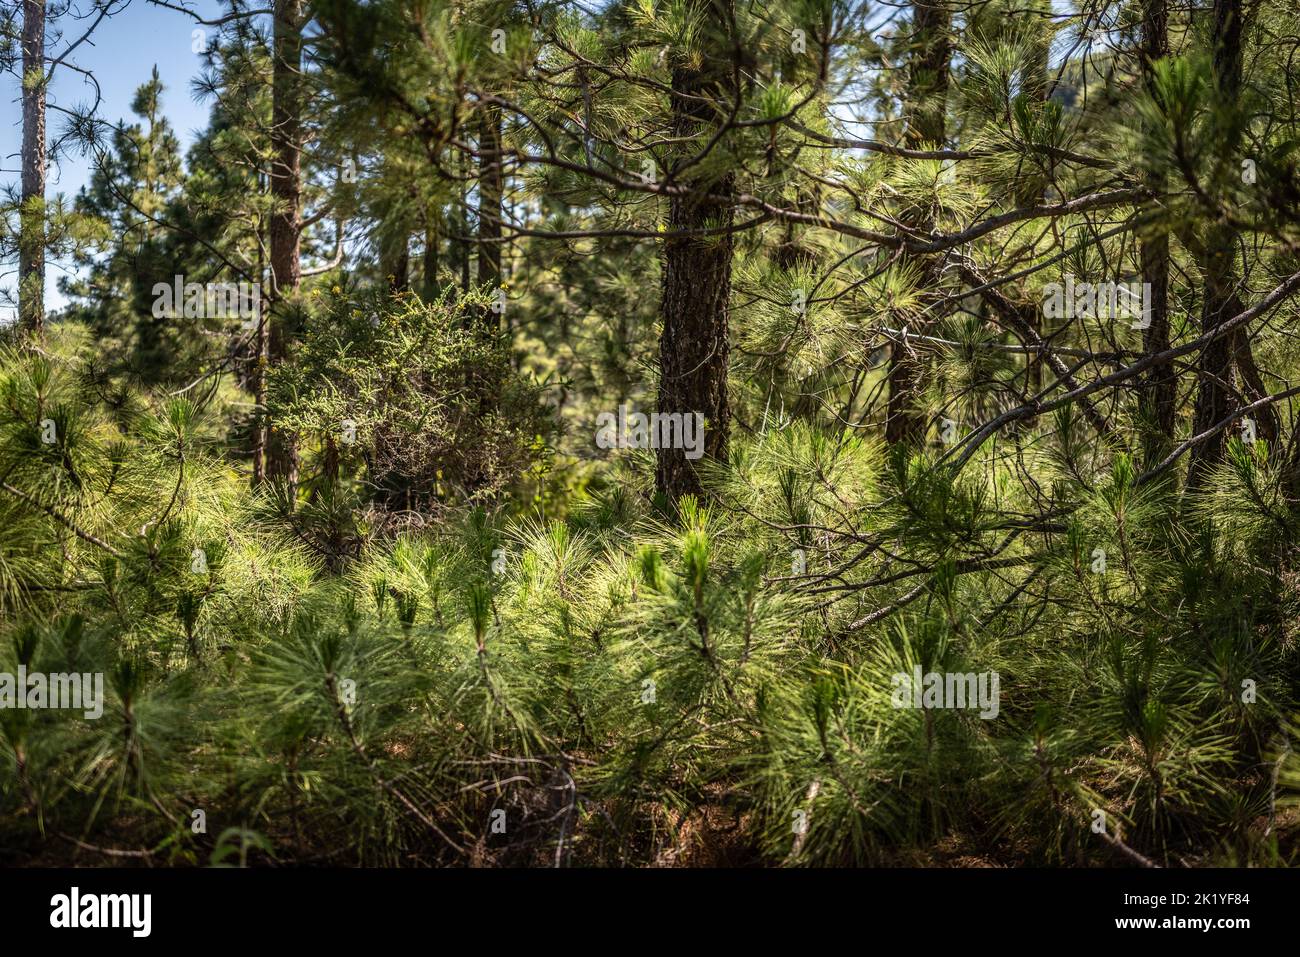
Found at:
<point>429,272</point>
<point>262,347</point>
<point>1030,193</point>
<point>491,192</point>
<point>694,347</point>
<point>286,217</point>
<point>927,92</point>
<point>490,195</point>
<point>1158,390</point>
<point>31,237</point>
<point>928,72</point>
<point>396,265</point>
<point>460,244</point>
<point>1215,389</point>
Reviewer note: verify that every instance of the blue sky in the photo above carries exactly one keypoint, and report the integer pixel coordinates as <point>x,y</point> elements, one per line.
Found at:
<point>125,48</point>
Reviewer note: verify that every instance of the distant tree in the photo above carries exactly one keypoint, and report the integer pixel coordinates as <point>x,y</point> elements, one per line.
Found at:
<point>45,47</point>
<point>134,186</point>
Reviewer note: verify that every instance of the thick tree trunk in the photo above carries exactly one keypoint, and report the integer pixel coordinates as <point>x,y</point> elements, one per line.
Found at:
<point>31,236</point>
<point>286,218</point>
<point>1159,387</point>
<point>927,92</point>
<point>1214,399</point>
<point>694,348</point>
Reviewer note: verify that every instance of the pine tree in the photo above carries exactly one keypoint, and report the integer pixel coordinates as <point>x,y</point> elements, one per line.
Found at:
<point>131,193</point>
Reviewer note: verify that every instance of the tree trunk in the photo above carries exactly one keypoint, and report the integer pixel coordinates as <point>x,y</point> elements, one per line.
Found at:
<point>696,301</point>
<point>31,237</point>
<point>1030,193</point>
<point>262,347</point>
<point>928,73</point>
<point>429,272</point>
<point>396,264</point>
<point>1159,387</point>
<point>286,220</point>
<point>1253,388</point>
<point>490,195</point>
<point>927,92</point>
<point>1036,90</point>
<point>1215,373</point>
<point>460,245</point>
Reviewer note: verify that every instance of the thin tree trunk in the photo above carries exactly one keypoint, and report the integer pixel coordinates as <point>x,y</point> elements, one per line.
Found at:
<point>694,348</point>
<point>262,346</point>
<point>927,93</point>
<point>31,238</point>
<point>490,195</point>
<point>431,239</point>
<point>1034,88</point>
<point>396,265</point>
<point>286,217</point>
<point>789,256</point>
<point>1159,387</point>
<point>1215,373</point>
<point>463,241</point>
<point>1268,427</point>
